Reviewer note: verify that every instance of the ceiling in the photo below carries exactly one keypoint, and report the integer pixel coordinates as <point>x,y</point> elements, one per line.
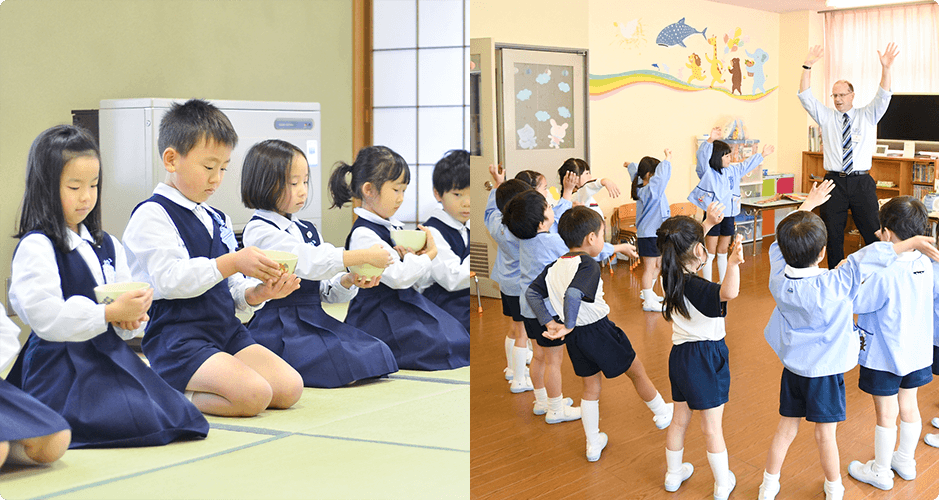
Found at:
<point>779,6</point>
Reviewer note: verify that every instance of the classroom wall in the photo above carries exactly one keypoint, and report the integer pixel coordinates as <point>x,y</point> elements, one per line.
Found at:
<point>60,55</point>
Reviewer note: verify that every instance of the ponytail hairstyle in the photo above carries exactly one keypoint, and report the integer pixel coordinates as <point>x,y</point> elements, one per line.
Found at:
<point>721,148</point>
<point>375,164</point>
<point>575,165</point>
<point>676,239</point>
<point>646,166</point>
<point>42,202</point>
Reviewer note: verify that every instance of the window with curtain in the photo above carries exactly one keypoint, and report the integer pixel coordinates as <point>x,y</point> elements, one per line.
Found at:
<point>420,96</point>
<point>853,37</point>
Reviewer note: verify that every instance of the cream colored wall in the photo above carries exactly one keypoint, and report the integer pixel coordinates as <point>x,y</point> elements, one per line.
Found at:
<point>552,23</point>
<point>60,55</point>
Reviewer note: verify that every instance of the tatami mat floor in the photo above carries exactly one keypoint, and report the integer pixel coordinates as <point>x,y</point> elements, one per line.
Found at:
<point>406,436</point>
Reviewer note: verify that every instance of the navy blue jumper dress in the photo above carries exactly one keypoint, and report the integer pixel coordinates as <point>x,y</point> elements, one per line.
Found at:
<point>457,302</point>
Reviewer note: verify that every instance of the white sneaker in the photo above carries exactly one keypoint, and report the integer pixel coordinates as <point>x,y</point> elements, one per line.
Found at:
<point>593,452</point>
<point>935,422</point>
<point>566,414</point>
<point>833,494</point>
<point>932,440</point>
<point>520,385</point>
<point>906,469</point>
<point>542,409</point>
<point>865,474</point>
<point>653,306</point>
<point>509,374</point>
<point>673,481</point>
<point>768,491</point>
<point>663,421</point>
<point>723,493</point>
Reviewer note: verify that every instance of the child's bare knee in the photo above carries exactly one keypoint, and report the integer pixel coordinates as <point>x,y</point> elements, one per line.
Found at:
<point>253,399</point>
<point>289,391</point>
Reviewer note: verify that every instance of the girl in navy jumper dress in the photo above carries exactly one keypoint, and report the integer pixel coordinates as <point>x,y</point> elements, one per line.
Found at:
<point>75,360</point>
<point>421,335</point>
<point>325,351</point>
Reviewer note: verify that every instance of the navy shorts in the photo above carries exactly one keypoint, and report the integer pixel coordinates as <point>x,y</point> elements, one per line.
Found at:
<point>699,373</point>
<point>935,360</point>
<point>600,346</point>
<point>534,329</point>
<point>647,247</point>
<point>511,307</point>
<point>880,383</point>
<point>725,228</point>
<point>816,399</point>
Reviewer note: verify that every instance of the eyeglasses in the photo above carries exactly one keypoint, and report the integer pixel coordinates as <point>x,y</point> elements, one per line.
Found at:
<point>841,96</point>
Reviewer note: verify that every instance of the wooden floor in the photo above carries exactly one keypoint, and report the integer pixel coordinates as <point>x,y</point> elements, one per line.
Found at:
<point>515,454</point>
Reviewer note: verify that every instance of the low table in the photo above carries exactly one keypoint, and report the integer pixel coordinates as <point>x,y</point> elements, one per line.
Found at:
<point>756,205</point>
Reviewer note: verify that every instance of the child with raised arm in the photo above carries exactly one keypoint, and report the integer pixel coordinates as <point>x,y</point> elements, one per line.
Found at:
<point>567,298</point>
<point>895,315</point>
<point>586,186</point>
<point>648,189</point>
<point>811,331</point>
<point>720,182</point>
<point>186,250</point>
<point>698,365</point>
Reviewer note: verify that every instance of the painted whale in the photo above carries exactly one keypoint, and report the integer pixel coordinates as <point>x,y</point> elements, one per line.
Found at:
<point>675,34</point>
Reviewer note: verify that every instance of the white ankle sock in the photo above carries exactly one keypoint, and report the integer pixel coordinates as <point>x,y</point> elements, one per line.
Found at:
<point>885,438</point>
<point>770,478</point>
<point>556,404</point>
<point>721,266</point>
<point>541,396</point>
<point>673,460</point>
<point>590,417</point>
<point>707,269</point>
<point>719,467</point>
<point>657,405</point>
<point>519,356</point>
<point>647,294</point>
<point>509,344</point>
<point>909,438</point>
<point>18,456</point>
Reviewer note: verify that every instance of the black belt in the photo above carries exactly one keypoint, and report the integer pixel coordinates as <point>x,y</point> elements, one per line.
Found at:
<point>832,173</point>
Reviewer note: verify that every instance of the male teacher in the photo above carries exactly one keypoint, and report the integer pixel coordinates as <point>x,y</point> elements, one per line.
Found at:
<point>849,136</point>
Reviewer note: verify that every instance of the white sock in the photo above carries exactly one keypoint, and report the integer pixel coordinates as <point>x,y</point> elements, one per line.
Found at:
<point>834,485</point>
<point>719,467</point>
<point>509,344</point>
<point>555,404</point>
<point>771,482</point>
<point>541,396</point>
<point>590,417</point>
<point>885,438</point>
<point>721,266</point>
<point>707,269</point>
<point>648,295</point>
<point>657,405</point>
<point>18,456</point>
<point>519,356</point>
<point>909,438</point>
<point>673,460</point>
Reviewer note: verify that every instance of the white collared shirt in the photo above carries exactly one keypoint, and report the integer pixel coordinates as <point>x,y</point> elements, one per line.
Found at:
<point>36,291</point>
<point>9,340</point>
<point>157,255</point>
<point>321,263</point>
<point>403,273</point>
<point>449,271</point>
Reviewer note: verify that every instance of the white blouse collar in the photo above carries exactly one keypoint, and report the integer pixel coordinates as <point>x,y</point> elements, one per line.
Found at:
<point>372,217</point>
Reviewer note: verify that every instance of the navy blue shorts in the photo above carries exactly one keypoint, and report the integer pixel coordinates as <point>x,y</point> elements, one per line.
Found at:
<point>600,346</point>
<point>816,399</point>
<point>647,247</point>
<point>935,360</point>
<point>700,373</point>
<point>511,307</point>
<point>725,228</point>
<point>534,329</point>
<point>880,383</point>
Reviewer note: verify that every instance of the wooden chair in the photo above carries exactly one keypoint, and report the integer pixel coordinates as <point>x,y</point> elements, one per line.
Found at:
<point>686,208</point>
<point>623,224</point>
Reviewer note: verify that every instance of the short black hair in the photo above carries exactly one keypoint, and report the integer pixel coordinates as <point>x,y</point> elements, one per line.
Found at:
<point>452,172</point>
<point>721,148</point>
<point>905,216</point>
<point>265,171</point>
<point>524,213</point>
<point>575,165</point>
<point>577,223</point>
<point>507,190</point>
<point>801,236</point>
<point>530,177</point>
<point>185,125</point>
<point>375,164</point>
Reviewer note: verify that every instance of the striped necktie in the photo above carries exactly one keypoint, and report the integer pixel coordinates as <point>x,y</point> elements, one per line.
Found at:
<point>847,146</point>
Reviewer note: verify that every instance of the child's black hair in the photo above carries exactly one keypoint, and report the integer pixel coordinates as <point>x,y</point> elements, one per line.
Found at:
<point>530,177</point>
<point>575,165</point>
<point>721,148</point>
<point>507,190</point>
<point>524,213</point>
<point>185,125</point>
<point>646,166</point>
<point>905,216</point>
<point>676,239</point>
<point>801,236</point>
<point>375,164</point>
<point>265,171</point>
<point>576,223</point>
<point>42,200</point>
<point>452,172</point>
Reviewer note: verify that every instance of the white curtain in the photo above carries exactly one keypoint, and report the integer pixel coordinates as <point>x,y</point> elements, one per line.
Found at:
<point>853,37</point>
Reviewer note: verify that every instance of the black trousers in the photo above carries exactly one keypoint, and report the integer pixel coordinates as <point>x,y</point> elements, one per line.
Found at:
<point>859,193</point>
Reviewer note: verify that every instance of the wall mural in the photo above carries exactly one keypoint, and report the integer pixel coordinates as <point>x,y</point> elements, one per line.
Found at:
<point>544,106</point>
<point>688,60</point>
